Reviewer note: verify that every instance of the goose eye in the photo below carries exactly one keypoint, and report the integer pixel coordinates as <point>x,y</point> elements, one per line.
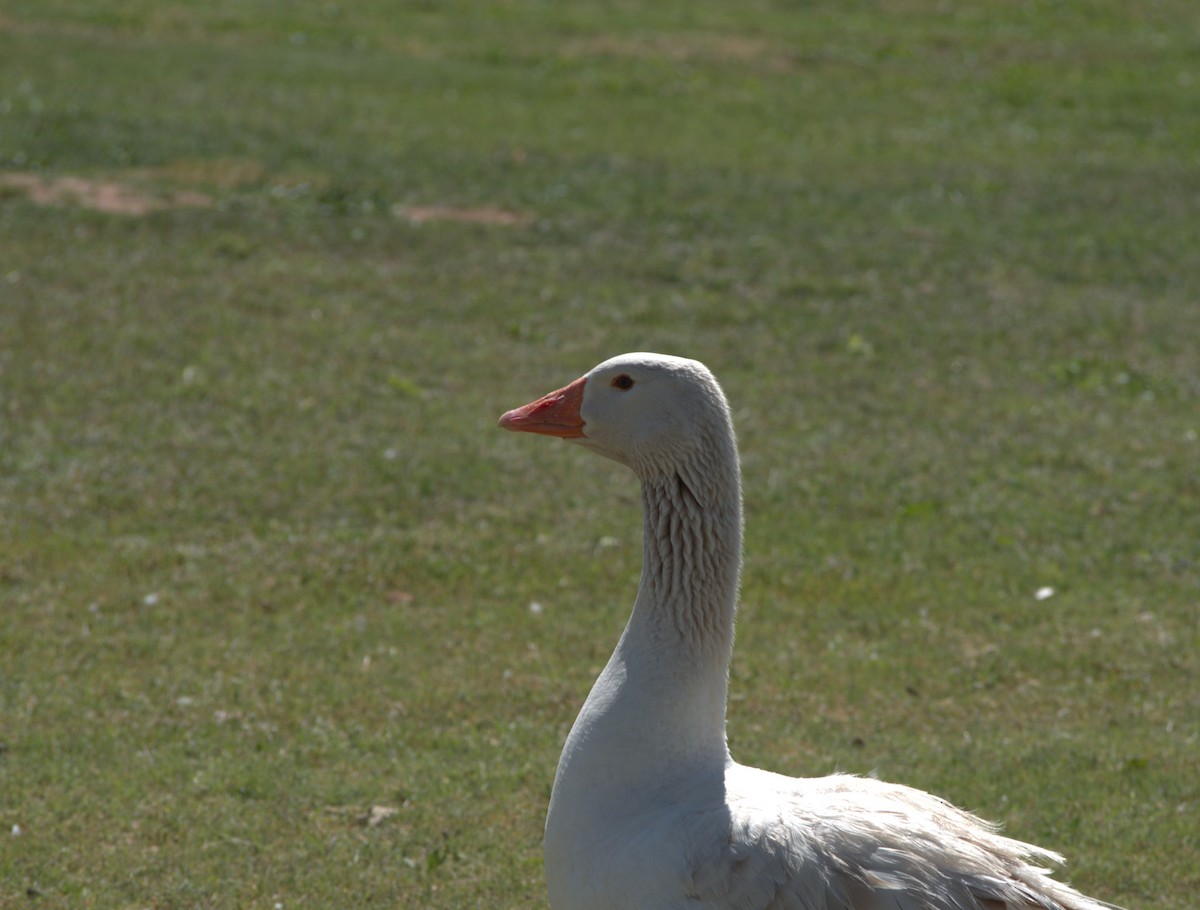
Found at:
<point>623,382</point>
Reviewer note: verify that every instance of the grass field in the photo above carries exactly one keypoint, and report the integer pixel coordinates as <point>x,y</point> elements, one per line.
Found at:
<point>270,271</point>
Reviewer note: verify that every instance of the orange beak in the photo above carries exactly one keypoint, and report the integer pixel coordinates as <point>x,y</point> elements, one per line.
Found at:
<point>556,414</point>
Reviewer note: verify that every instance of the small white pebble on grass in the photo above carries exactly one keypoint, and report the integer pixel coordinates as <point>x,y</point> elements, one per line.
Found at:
<point>1043,593</point>
<point>536,608</point>
<point>391,454</point>
<point>150,599</point>
<point>16,830</point>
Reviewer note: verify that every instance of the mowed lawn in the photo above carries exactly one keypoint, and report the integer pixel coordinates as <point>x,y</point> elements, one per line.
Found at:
<point>286,622</point>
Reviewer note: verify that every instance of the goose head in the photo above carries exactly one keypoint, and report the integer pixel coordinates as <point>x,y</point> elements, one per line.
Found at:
<point>650,412</point>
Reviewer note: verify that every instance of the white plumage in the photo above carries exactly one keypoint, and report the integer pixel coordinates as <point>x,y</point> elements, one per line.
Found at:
<point>649,811</point>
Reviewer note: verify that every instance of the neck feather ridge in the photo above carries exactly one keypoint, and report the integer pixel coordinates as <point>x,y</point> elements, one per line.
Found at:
<point>692,549</point>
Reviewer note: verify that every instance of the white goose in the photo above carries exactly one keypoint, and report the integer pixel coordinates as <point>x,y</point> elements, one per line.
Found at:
<point>648,808</point>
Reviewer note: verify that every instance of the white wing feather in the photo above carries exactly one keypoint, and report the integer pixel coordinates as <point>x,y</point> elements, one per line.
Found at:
<point>848,843</point>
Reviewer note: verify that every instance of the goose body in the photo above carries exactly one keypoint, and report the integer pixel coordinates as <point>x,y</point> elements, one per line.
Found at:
<point>648,810</point>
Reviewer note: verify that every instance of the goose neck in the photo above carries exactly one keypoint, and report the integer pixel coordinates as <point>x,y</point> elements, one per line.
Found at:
<point>692,541</point>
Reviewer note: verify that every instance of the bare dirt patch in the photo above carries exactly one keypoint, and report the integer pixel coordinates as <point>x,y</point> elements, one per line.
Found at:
<point>143,191</point>
<point>420,214</point>
<point>108,196</point>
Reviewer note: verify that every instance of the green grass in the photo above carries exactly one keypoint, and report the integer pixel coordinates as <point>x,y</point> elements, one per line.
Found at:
<point>265,563</point>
